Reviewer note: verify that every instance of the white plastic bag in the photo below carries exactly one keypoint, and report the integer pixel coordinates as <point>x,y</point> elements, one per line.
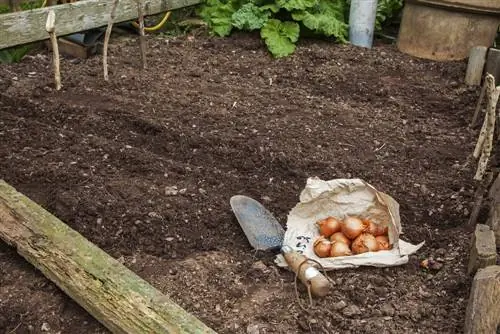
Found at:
<point>338,198</point>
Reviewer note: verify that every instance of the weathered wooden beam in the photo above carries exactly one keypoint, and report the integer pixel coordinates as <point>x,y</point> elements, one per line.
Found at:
<point>114,295</point>
<point>29,26</point>
<point>483,311</point>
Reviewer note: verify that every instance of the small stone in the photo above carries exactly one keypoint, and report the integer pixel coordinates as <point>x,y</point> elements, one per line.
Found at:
<point>380,291</point>
<point>424,293</point>
<point>351,310</point>
<point>266,198</point>
<point>441,251</point>
<point>171,190</point>
<point>259,265</point>
<point>339,305</point>
<point>202,191</point>
<point>253,329</point>
<point>45,327</point>
<point>387,310</point>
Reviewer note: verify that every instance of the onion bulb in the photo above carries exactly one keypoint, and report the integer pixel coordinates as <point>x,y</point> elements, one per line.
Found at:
<point>365,242</point>
<point>340,237</point>
<point>340,249</point>
<point>328,226</point>
<point>322,247</point>
<point>383,242</point>
<point>353,227</point>
<point>375,229</point>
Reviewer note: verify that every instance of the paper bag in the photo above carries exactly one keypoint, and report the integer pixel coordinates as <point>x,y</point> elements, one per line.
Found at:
<point>339,198</point>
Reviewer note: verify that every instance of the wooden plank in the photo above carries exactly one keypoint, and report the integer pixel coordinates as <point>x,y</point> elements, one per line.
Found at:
<point>109,291</point>
<point>29,26</point>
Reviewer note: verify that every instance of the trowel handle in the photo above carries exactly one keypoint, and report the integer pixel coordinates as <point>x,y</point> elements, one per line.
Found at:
<point>308,274</point>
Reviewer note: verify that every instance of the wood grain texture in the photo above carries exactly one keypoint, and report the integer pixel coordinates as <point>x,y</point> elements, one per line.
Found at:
<point>29,26</point>
<point>114,295</point>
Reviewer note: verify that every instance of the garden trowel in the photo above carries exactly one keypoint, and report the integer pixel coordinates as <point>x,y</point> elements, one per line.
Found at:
<point>264,232</point>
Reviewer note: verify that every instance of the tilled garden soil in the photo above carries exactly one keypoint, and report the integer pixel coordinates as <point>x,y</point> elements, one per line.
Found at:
<point>144,166</point>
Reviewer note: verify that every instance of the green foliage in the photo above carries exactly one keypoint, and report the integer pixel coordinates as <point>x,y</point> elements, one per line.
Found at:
<point>250,17</point>
<point>280,37</point>
<point>326,18</point>
<point>386,9</point>
<point>297,4</point>
<point>219,16</point>
<point>13,55</point>
<point>280,21</point>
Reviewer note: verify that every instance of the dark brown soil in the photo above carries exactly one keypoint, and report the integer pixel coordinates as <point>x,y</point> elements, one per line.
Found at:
<point>219,117</point>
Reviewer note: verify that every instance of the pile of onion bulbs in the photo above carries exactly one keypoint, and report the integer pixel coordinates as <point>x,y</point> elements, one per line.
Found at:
<point>349,236</point>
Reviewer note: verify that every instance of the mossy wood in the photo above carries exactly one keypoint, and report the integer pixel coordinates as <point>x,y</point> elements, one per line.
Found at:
<point>114,295</point>
<point>29,26</point>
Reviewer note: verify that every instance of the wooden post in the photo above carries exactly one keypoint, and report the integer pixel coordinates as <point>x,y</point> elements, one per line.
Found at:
<point>493,64</point>
<point>483,312</point>
<point>475,65</point>
<point>108,290</point>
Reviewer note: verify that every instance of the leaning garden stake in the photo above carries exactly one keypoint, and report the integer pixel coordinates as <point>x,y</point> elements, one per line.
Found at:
<point>113,294</point>
<point>142,37</point>
<point>485,141</point>
<point>50,26</point>
<point>109,28</point>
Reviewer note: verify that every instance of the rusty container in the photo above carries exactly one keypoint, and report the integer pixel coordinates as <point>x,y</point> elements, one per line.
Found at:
<point>447,29</point>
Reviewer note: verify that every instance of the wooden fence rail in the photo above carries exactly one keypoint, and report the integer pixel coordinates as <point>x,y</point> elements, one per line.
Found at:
<point>29,26</point>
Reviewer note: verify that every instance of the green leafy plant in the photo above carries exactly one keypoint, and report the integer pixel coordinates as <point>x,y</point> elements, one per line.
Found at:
<point>14,54</point>
<point>281,22</point>
<point>386,9</point>
<point>280,37</point>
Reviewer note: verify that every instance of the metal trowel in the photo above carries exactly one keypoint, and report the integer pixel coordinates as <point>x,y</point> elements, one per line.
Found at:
<point>264,232</point>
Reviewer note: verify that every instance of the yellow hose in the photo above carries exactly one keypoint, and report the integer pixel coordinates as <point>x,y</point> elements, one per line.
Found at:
<point>156,27</point>
<point>136,25</point>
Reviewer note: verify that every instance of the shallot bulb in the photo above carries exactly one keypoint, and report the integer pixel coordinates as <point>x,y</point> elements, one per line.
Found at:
<point>383,242</point>
<point>340,237</point>
<point>365,242</point>
<point>352,227</point>
<point>328,226</point>
<point>340,249</point>
<point>322,247</point>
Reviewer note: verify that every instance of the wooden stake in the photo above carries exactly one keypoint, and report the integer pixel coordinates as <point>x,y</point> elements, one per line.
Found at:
<point>50,26</point>
<point>106,39</point>
<point>478,106</point>
<point>108,290</point>
<point>482,188</point>
<point>485,141</point>
<point>142,37</point>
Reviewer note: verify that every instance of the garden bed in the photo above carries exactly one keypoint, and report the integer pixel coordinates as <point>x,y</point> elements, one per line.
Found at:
<point>219,117</point>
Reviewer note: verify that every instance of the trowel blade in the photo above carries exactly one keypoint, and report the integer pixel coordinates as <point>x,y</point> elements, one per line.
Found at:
<point>261,228</point>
